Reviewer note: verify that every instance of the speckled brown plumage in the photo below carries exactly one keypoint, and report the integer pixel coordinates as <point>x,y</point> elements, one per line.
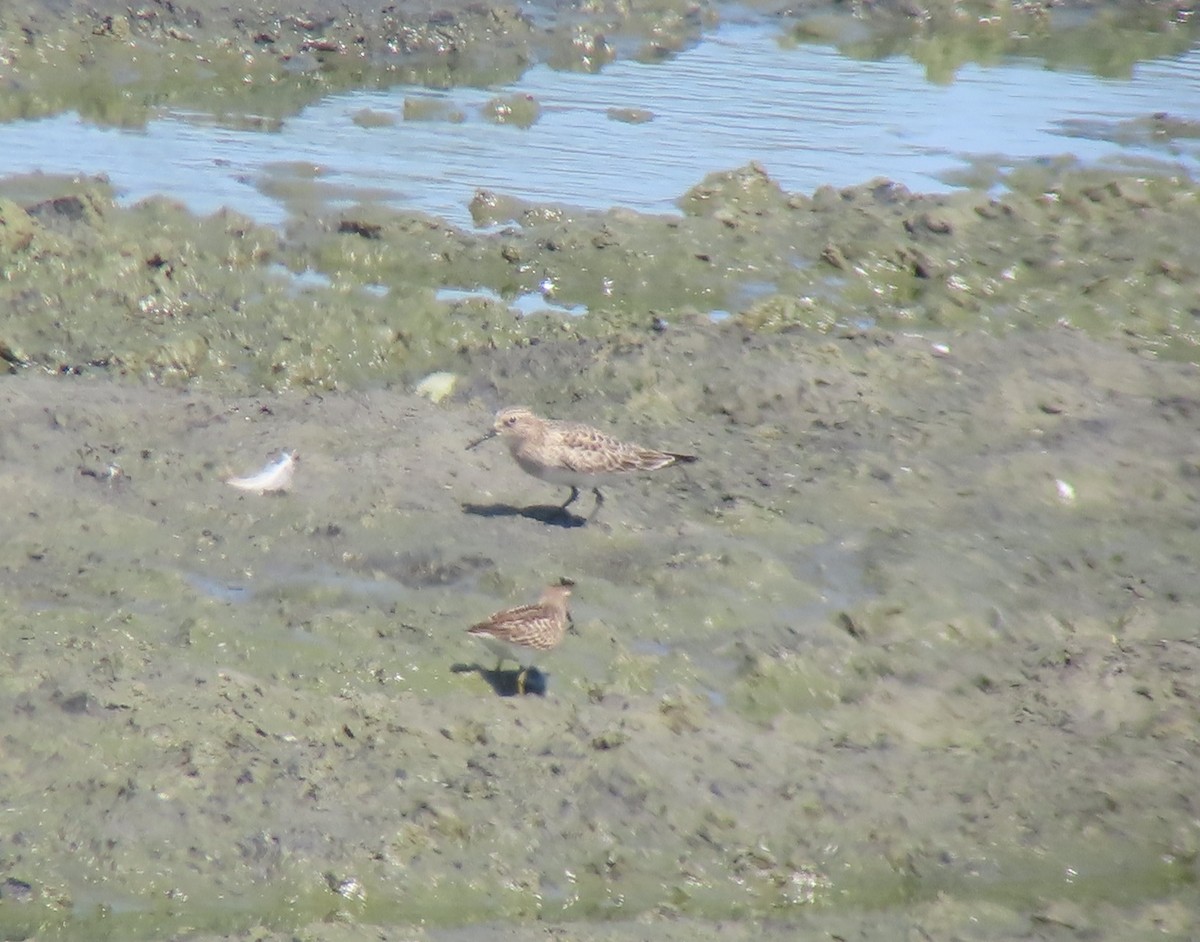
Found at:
<point>573,454</point>
<point>515,633</point>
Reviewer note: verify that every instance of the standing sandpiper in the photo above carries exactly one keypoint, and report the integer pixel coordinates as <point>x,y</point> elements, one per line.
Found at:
<point>516,632</point>
<point>573,454</point>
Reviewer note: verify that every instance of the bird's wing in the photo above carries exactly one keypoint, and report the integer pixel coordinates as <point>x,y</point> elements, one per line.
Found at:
<point>503,622</point>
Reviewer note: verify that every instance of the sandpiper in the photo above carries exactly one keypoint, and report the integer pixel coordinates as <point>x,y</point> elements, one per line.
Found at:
<point>573,454</point>
<point>516,633</point>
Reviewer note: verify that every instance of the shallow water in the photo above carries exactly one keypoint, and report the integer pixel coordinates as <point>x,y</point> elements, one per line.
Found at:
<point>810,115</point>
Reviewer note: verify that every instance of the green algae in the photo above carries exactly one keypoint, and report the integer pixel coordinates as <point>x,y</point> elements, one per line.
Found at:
<point>944,36</point>
<point>431,109</point>
<point>126,67</point>
<point>147,291</point>
<point>251,67</point>
<point>520,111</point>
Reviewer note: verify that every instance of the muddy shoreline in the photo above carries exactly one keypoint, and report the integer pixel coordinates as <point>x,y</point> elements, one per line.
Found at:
<point>858,667</point>
<point>911,650</point>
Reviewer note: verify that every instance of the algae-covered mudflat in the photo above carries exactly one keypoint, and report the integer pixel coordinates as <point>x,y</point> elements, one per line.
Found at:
<point>911,650</point>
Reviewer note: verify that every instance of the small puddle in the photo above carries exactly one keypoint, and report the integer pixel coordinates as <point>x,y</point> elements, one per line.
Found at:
<point>217,589</point>
<point>524,304</point>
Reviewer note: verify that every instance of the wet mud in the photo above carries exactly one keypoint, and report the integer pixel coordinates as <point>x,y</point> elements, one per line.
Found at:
<point>914,640</point>
<point>911,650</point>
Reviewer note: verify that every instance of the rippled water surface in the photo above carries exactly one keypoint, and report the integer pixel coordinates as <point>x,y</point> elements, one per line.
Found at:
<point>808,114</point>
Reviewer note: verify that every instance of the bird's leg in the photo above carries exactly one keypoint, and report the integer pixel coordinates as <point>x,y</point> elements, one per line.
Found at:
<point>599,501</point>
<point>521,680</point>
<point>571,499</point>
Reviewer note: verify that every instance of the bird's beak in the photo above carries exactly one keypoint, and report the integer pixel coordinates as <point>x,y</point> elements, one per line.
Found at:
<point>480,441</point>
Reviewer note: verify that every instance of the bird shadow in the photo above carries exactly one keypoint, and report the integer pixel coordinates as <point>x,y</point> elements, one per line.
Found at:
<point>550,514</point>
<point>508,683</point>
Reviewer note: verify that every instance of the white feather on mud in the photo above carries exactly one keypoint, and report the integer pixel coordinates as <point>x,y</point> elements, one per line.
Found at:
<point>274,478</point>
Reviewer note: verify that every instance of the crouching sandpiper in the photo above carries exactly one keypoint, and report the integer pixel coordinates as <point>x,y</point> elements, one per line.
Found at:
<point>573,454</point>
<point>516,633</point>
